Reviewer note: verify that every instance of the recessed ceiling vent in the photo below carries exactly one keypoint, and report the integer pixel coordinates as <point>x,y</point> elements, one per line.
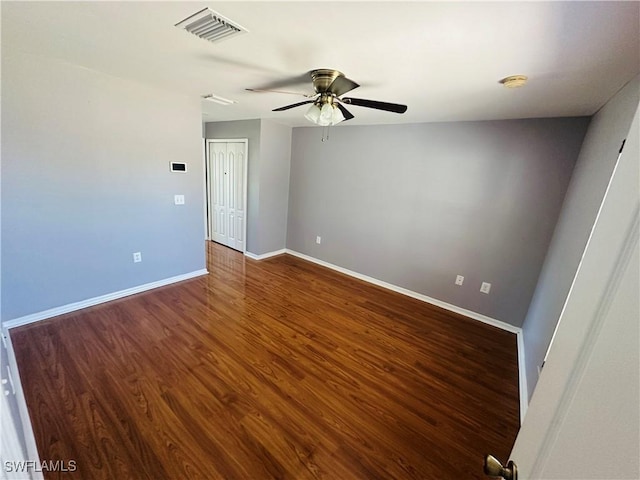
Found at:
<point>210,25</point>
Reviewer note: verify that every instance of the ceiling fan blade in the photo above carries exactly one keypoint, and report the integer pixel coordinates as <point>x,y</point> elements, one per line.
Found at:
<point>342,85</point>
<point>389,107</point>
<point>346,113</point>
<point>260,90</point>
<point>287,107</point>
<point>236,63</point>
<point>287,82</point>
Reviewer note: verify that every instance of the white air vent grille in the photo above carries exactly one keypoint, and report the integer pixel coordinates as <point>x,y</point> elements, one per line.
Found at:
<point>210,25</point>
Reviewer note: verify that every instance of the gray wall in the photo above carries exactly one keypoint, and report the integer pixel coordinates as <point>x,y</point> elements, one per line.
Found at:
<point>414,205</point>
<point>275,161</point>
<point>86,182</point>
<point>584,195</point>
<point>268,182</point>
<point>249,129</point>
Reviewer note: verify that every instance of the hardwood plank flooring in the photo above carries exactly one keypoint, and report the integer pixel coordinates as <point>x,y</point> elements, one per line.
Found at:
<point>269,369</point>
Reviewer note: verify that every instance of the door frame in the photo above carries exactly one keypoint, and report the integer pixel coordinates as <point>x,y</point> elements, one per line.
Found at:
<point>245,185</point>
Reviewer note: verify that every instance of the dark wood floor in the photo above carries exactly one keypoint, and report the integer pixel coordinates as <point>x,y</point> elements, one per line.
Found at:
<point>270,369</point>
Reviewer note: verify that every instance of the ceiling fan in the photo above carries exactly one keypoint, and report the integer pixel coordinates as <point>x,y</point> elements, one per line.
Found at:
<point>328,103</point>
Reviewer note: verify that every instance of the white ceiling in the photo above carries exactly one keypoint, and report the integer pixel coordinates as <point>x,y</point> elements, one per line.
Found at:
<point>442,59</point>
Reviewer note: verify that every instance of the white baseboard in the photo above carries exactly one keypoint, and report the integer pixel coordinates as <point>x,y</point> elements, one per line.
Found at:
<point>27,429</point>
<point>410,293</point>
<point>90,302</point>
<point>265,255</point>
<point>522,380</point>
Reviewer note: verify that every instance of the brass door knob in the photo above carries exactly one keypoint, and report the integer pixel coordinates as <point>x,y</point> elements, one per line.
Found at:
<point>494,468</point>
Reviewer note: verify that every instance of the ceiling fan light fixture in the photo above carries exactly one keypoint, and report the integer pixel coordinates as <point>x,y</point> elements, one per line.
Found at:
<point>313,114</point>
<point>326,115</point>
<point>336,116</point>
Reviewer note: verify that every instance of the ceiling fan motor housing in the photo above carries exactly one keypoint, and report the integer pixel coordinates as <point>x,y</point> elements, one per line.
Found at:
<point>323,78</point>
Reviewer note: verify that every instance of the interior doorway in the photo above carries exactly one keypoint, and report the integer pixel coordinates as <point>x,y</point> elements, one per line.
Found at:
<point>227,162</point>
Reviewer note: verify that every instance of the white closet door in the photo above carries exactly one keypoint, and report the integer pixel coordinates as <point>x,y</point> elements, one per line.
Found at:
<point>236,162</point>
<point>227,196</point>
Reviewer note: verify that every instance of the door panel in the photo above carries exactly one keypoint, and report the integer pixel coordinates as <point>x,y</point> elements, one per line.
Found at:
<point>231,192</point>
<point>227,164</point>
<point>217,194</point>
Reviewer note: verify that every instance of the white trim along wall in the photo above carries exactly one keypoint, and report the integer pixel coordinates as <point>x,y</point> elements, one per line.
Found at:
<point>90,302</point>
<point>264,256</point>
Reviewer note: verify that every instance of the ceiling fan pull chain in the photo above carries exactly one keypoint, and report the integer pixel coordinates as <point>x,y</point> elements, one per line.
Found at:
<point>325,133</point>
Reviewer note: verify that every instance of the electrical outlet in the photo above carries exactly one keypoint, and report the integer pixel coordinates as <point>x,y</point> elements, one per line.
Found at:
<point>459,280</point>
<point>137,257</point>
<point>318,240</point>
<point>485,287</point>
<point>178,199</point>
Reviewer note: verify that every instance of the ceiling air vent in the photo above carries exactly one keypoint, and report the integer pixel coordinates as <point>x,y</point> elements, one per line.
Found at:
<point>210,25</point>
